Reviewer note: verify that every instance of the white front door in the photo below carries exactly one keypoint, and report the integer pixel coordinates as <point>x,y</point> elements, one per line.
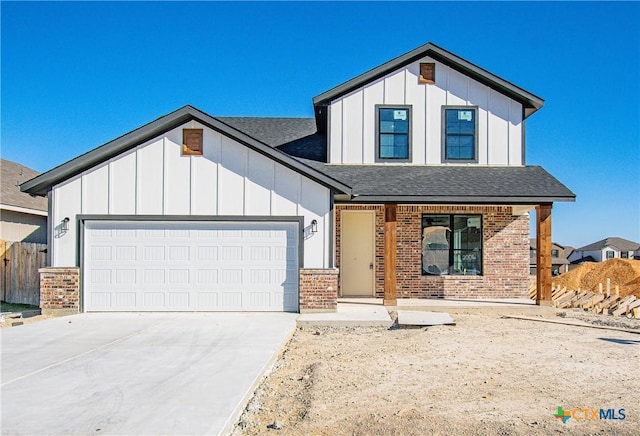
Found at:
<point>190,266</point>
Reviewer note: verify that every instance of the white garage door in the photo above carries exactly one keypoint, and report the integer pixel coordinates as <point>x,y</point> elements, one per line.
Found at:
<point>190,266</point>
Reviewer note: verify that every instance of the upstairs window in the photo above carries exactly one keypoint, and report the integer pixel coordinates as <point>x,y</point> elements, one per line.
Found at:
<point>460,139</point>
<point>555,253</point>
<point>394,132</point>
<point>451,245</point>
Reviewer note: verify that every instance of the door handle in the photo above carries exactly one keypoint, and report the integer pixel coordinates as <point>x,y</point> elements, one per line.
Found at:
<point>371,265</point>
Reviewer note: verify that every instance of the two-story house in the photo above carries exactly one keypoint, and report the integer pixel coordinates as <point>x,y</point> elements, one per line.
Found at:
<point>409,182</point>
<point>559,261</point>
<point>605,249</point>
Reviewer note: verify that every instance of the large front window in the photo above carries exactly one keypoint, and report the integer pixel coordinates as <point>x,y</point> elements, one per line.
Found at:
<point>393,133</point>
<point>451,244</point>
<point>460,138</point>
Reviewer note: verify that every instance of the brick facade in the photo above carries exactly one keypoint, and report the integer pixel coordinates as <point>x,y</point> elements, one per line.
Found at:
<point>59,290</point>
<point>318,290</point>
<point>505,253</point>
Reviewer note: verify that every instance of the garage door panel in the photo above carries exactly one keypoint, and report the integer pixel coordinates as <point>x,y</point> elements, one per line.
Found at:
<point>190,266</point>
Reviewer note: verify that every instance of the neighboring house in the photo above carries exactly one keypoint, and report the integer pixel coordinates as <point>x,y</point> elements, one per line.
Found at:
<point>608,248</point>
<point>410,182</point>
<point>559,261</point>
<point>23,218</point>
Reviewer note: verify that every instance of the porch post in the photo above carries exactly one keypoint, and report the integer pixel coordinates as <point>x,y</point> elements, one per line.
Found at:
<point>543,254</point>
<point>390,232</point>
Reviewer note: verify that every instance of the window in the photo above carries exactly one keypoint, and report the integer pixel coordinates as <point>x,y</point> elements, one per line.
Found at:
<point>451,245</point>
<point>554,253</point>
<point>394,131</point>
<point>610,254</point>
<point>459,134</point>
<point>624,254</point>
<point>192,142</point>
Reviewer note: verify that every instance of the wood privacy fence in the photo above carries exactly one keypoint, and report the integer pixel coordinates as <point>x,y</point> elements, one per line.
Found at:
<point>19,265</point>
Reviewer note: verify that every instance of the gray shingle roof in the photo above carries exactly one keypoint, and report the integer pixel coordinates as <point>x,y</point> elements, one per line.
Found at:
<point>270,130</point>
<point>11,175</point>
<point>459,184</point>
<point>619,243</point>
<point>295,136</point>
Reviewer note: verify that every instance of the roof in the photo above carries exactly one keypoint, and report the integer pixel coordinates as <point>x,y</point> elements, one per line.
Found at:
<point>295,136</point>
<point>12,174</point>
<point>42,183</point>
<point>530,101</point>
<point>619,243</point>
<point>450,184</point>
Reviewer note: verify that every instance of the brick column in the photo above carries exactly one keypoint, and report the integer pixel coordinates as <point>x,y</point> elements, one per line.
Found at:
<point>59,290</point>
<point>318,290</point>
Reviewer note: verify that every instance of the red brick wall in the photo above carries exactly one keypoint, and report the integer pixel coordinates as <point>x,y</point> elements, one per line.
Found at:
<point>318,290</point>
<point>59,289</point>
<point>505,254</point>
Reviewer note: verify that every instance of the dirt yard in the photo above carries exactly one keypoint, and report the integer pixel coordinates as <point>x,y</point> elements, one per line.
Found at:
<point>486,375</point>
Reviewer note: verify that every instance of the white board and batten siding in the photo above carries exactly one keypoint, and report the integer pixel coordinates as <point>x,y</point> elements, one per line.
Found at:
<point>352,118</point>
<point>155,179</point>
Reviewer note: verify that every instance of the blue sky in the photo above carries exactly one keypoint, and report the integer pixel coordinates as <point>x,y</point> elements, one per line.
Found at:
<point>76,75</point>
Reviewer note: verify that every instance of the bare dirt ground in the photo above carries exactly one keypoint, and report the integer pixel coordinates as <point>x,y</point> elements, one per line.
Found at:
<point>486,375</point>
<point>15,322</point>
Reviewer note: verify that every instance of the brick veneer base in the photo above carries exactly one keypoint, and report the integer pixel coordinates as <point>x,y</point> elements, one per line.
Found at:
<point>59,290</point>
<point>318,290</point>
<point>505,248</point>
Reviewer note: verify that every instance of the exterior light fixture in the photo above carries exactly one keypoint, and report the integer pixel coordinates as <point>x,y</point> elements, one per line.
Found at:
<point>314,226</point>
<point>64,225</point>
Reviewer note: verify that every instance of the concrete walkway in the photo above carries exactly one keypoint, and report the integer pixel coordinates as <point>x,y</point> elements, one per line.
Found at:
<point>134,373</point>
<point>371,312</point>
<point>349,314</point>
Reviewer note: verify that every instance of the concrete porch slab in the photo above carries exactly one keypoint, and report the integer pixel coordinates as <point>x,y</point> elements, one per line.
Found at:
<point>348,314</point>
<point>423,318</point>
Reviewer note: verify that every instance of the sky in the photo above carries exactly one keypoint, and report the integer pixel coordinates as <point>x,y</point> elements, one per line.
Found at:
<point>76,75</point>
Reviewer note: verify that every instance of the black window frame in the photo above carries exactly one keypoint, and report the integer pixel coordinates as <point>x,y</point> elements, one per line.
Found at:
<point>445,134</point>
<point>451,248</point>
<point>409,110</point>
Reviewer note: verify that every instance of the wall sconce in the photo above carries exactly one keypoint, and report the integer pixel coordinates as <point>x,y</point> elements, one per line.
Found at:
<point>64,225</point>
<point>314,226</point>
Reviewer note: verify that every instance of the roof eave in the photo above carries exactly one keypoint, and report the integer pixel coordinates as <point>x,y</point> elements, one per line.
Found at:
<point>479,200</point>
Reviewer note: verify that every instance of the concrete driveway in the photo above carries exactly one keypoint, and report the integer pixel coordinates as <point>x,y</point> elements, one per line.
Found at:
<point>151,374</point>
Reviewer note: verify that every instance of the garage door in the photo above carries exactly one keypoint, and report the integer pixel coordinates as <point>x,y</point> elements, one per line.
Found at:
<point>190,266</point>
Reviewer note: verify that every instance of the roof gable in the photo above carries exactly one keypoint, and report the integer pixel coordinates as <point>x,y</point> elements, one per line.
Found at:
<point>530,102</point>
<point>42,183</point>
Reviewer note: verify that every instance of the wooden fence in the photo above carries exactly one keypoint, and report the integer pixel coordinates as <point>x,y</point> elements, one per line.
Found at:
<point>19,266</point>
<point>607,303</point>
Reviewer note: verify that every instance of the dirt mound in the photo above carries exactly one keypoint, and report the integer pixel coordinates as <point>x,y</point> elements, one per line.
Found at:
<point>624,273</point>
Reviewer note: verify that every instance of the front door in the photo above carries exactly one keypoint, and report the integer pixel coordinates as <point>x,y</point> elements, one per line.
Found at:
<point>357,254</point>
